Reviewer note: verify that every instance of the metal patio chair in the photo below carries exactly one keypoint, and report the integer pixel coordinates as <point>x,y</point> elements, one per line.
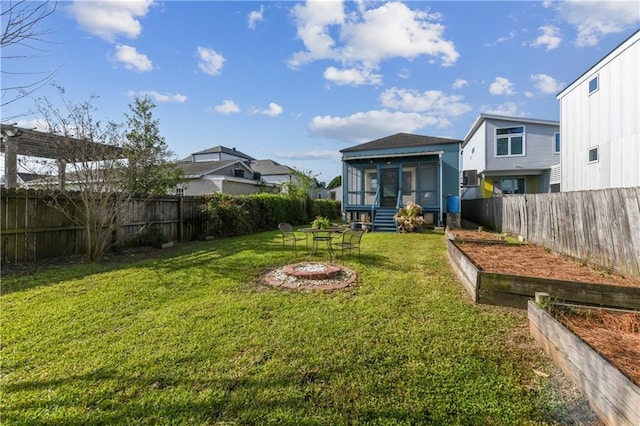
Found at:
<point>350,241</point>
<point>288,235</point>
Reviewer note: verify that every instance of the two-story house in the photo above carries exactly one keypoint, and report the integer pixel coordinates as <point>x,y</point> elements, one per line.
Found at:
<point>600,122</point>
<point>510,155</point>
<point>380,176</point>
<point>218,169</point>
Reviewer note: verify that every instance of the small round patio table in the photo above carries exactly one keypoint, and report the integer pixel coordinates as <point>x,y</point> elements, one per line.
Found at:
<point>322,235</point>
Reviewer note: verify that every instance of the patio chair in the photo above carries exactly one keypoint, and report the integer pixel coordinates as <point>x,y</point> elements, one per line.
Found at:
<point>350,241</point>
<point>288,235</point>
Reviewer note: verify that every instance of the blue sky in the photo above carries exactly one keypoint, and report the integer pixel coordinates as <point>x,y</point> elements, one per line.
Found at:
<point>296,82</point>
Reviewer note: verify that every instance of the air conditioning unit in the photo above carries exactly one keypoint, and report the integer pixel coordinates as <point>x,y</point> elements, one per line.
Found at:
<point>470,178</point>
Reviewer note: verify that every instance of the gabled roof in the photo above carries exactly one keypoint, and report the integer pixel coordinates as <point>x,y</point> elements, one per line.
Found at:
<point>400,140</point>
<point>270,167</point>
<point>224,150</point>
<point>201,168</point>
<point>483,117</point>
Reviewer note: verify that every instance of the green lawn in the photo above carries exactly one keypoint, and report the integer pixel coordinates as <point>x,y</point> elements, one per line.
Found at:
<point>193,338</point>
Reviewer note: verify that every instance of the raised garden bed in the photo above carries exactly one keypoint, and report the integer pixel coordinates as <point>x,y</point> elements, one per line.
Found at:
<point>599,351</point>
<point>494,271</point>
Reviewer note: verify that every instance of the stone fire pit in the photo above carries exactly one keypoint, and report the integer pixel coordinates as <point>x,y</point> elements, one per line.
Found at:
<point>311,276</point>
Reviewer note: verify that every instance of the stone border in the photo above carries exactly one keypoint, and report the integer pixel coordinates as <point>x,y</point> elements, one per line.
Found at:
<point>614,397</point>
<point>332,284</point>
<point>516,290</point>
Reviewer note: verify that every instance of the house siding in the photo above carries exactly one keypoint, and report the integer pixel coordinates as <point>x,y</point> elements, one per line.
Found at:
<point>608,118</point>
<point>538,147</point>
<point>475,152</point>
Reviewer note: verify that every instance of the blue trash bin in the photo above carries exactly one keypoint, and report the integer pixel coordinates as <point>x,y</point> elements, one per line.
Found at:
<point>453,203</point>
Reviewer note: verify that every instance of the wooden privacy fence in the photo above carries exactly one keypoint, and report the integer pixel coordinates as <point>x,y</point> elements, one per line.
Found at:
<point>601,227</point>
<point>32,229</point>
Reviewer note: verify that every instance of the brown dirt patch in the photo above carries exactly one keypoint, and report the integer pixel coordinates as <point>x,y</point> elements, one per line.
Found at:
<point>534,261</point>
<point>614,335</point>
<point>467,234</point>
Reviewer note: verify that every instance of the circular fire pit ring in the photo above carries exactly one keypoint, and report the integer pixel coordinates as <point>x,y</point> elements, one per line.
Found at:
<point>311,276</point>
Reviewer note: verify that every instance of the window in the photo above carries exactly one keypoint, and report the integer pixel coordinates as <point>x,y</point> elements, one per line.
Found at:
<point>556,143</point>
<point>370,185</point>
<point>409,182</point>
<point>593,84</point>
<point>354,185</point>
<point>510,141</point>
<point>428,195</point>
<point>512,185</point>
<point>593,154</point>
<point>180,191</point>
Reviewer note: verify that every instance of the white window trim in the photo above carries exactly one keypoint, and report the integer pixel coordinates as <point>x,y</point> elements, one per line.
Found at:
<point>597,78</point>
<point>553,145</point>
<point>524,142</point>
<point>597,148</point>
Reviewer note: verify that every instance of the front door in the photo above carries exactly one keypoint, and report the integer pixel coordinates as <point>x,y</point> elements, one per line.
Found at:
<point>389,193</point>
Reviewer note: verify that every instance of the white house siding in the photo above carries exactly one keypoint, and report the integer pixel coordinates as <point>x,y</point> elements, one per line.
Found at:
<point>474,153</point>
<point>609,119</point>
<point>202,186</point>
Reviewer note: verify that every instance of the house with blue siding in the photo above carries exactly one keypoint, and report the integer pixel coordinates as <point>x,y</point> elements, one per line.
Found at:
<point>510,155</point>
<point>383,175</point>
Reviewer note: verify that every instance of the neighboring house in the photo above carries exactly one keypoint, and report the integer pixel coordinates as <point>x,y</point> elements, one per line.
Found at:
<point>272,172</point>
<point>510,155</point>
<point>219,169</point>
<point>600,122</point>
<point>380,176</point>
<point>336,193</point>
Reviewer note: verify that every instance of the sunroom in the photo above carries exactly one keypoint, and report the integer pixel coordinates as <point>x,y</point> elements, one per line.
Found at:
<point>383,175</point>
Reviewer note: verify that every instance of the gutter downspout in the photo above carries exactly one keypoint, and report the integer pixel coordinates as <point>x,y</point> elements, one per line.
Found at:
<point>441,195</point>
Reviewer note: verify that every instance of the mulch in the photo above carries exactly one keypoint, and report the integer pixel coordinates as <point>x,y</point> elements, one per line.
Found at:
<point>614,335</point>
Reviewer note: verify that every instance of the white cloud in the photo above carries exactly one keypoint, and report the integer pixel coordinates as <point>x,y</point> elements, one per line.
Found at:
<point>508,108</point>
<point>502,39</point>
<point>596,19</point>
<point>431,101</point>
<point>110,19</point>
<point>501,86</point>
<point>227,107</point>
<point>255,16</point>
<point>549,38</point>
<point>546,84</point>
<point>211,62</point>
<point>160,97</point>
<point>460,83</point>
<point>352,76</point>
<point>131,59</point>
<point>362,39</point>
<point>273,111</point>
<point>365,126</point>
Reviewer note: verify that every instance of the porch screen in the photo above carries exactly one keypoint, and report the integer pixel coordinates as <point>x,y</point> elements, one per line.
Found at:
<point>354,186</point>
<point>428,194</point>
<point>370,185</point>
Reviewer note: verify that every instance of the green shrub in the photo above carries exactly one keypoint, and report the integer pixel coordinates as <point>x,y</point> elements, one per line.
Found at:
<point>229,215</point>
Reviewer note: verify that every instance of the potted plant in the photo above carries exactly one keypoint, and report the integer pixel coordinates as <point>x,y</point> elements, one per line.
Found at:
<point>320,222</point>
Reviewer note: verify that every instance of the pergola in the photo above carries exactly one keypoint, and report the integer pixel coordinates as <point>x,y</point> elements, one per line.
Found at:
<point>64,149</point>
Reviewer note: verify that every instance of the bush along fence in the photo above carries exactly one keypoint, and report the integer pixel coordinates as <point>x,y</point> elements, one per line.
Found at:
<point>32,228</point>
<point>600,227</point>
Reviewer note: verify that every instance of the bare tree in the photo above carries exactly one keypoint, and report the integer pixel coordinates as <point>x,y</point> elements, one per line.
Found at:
<point>104,177</point>
<point>89,163</point>
<point>23,37</point>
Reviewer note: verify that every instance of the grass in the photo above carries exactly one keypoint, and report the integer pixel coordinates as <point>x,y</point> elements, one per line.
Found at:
<point>192,337</point>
